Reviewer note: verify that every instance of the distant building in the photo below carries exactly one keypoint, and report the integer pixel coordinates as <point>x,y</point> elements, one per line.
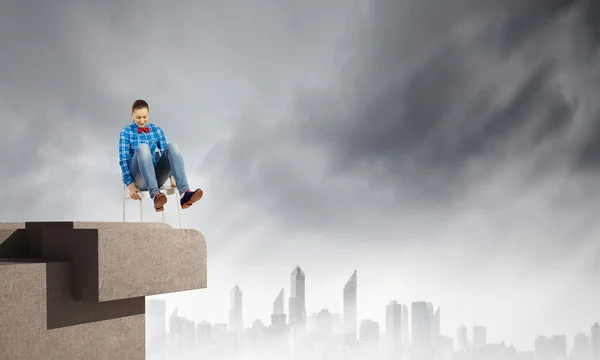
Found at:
<point>278,317</point>
<point>350,311</point>
<point>369,338</point>
<point>435,327</point>
<point>595,342</point>
<point>188,335</point>
<point>156,326</point>
<point>369,330</point>
<point>479,336</point>
<point>560,347</point>
<point>236,322</point>
<point>203,334</point>
<point>581,347</point>
<point>405,326</point>
<point>461,339</point>
<point>278,304</point>
<point>421,324</point>
<point>492,351</point>
<point>393,324</point>
<point>445,348</point>
<point>324,325</point>
<point>544,348</point>
<point>297,303</point>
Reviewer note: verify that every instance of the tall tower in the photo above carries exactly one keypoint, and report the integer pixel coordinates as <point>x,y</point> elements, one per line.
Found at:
<point>297,299</point>
<point>405,327</point>
<point>435,328</point>
<point>393,323</point>
<point>581,347</point>
<point>278,304</point>
<point>236,322</point>
<point>350,311</point>
<point>278,316</point>
<point>461,339</point>
<point>421,324</point>
<point>156,327</point>
<point>595,342</point>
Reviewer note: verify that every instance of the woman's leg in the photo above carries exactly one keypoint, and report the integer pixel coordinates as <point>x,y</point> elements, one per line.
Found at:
<point>171,162</point>
<point>142,170</point>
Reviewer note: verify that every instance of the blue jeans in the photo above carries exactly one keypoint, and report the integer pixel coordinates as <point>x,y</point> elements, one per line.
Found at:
<point>147,176</point>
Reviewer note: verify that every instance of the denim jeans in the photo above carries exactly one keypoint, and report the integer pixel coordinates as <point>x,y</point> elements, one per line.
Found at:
<point>147,176</point>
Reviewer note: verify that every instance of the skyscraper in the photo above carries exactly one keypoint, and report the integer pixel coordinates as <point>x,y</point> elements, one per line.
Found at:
<point>544,348</point>
<point>324,324</point>
<point>479,336</point>
<point>369,330</point>
<point>560,347</point>
<point>297,304</point>
<point>156,327</point>
<point>393,323</point>
<point>236,322</point>
<point>581,347</point>
<point>421,324</point>
<point>350,311</point>
<point>461,339</point>
<point>405,328</point>
<point>595,342</point>
<point>278,315</point>
<point>278,304</point>
<point>435,328</point>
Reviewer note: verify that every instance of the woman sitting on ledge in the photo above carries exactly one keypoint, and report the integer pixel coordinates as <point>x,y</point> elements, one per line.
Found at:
<point>141,167</point>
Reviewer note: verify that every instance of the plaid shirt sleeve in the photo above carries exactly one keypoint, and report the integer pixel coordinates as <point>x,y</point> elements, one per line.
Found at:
<point>162,142</point>
<point>125,156</point>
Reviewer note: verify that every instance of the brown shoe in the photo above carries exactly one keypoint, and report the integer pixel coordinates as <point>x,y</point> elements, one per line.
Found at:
<point>190,197</point>
<point>160,200</point>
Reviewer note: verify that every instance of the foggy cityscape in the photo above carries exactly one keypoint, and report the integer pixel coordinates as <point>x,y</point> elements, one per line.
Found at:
<point>411,332</point>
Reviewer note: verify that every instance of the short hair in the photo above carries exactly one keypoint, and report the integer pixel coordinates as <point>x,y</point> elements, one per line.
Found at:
<point>139,104</point>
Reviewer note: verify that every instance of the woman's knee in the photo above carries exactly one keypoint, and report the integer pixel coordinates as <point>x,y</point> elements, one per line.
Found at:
<point>172,147</point>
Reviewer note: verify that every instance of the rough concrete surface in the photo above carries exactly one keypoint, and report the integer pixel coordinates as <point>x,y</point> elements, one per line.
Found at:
<point>76,290</point>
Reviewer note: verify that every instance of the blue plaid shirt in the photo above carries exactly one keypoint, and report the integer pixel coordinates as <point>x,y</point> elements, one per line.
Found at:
<point>129,139</point>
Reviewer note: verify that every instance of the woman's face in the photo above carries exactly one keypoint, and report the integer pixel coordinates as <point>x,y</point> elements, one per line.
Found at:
<point>140,116</point>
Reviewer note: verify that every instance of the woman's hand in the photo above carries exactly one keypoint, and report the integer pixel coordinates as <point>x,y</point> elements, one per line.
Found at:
<point>134,192</point>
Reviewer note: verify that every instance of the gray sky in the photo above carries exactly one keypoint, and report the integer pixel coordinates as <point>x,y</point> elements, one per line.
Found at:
<point>447,150</point>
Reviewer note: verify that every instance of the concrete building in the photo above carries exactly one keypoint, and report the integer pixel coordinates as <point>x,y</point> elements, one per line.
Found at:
<point>76,290</point>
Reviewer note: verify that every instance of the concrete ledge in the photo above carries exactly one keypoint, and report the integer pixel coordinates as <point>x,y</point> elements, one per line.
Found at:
<point>114,264</point>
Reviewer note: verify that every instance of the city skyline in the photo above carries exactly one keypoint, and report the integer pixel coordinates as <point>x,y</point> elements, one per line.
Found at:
<point>582,346</point>
<point>426,324</point>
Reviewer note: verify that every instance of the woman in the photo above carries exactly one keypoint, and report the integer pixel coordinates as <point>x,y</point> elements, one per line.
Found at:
<point>144,169</point>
